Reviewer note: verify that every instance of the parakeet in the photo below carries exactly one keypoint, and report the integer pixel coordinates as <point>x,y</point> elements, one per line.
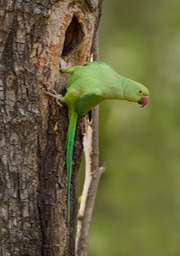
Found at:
<point>88,86</point>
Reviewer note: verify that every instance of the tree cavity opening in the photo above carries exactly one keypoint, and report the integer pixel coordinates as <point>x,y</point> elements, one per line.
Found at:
<point>73,37</point>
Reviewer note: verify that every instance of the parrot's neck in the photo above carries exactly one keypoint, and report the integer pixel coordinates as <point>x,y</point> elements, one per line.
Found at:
<point>115,88</point>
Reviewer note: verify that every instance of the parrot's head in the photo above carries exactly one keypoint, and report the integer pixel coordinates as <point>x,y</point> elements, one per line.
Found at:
<point>136,92</point>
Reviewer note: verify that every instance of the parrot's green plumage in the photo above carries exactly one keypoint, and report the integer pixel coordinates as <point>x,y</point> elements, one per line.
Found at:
<point>87,86</point>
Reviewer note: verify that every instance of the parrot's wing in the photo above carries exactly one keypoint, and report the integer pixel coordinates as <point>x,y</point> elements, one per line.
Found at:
<point>85,103</point>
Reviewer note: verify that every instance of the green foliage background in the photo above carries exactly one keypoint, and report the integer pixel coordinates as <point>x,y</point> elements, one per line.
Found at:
<point>137,211</point>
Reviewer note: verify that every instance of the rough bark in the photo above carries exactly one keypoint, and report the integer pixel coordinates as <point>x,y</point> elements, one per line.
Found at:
<point>33,204</point>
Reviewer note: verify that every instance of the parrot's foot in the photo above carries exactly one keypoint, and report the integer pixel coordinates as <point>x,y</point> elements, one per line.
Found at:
<point>56,96</point>
<point>62,63</point>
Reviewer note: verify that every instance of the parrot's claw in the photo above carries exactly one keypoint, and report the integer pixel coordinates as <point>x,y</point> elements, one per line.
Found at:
<point>62,63</point>
<point>56,96</point>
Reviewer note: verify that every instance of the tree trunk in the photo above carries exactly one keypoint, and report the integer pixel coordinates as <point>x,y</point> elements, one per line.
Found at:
<point>33,197</point>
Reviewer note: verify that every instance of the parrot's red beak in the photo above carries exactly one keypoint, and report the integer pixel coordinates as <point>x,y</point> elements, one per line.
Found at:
<point>143,101</point>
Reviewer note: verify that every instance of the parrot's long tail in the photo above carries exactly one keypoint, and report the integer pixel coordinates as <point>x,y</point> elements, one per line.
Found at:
<point>73,117</point>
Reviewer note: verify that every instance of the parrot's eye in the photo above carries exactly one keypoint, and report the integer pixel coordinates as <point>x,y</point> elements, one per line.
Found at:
<point>140,91</point>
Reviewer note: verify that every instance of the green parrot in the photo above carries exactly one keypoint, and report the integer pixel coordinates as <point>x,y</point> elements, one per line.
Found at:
<point>88,86</point>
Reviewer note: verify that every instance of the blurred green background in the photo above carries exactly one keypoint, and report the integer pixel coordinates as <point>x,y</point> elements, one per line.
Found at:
<point>137,211</point>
